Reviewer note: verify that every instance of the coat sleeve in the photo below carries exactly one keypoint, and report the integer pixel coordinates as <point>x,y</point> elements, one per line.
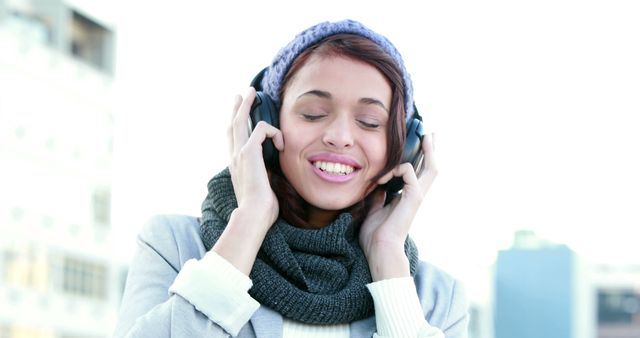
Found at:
<point>444,301</point>
<point>456,324</point>
<point>148,309</point>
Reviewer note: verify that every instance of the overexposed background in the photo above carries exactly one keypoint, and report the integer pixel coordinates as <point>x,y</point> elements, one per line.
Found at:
<point>535,107</point>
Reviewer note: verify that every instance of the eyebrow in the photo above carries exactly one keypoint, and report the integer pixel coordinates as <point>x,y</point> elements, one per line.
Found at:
<point>326,95</point>
<point>369,100</point>
<point>315,92</point>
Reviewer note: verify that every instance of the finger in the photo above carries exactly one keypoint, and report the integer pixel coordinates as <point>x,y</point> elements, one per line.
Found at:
<point>239,124</point>
<point>236,104</point>
<point>386,178</point>
<point>377,201</point>
<point>428,151</point>
<point>261,131</point>
<point>428,145</point>
<point>278,139</point>
<point>411,196</point>
<point>405,170</point>
<point>402,170</point>
<point>433,141</point>
<point>237,101</point>
<point>430,170</point>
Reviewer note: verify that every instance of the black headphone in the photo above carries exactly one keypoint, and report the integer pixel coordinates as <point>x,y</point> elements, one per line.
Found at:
<point>263,109</point>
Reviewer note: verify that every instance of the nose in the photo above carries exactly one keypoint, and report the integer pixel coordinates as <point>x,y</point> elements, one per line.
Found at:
<point>338,133</point>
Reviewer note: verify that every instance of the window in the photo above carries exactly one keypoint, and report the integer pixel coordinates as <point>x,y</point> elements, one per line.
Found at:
<point>618,306</point>
<point>25,266</point>
<point>4,331</point>
<point>16,331</point>
<point>29,25</point>
<point>47,221</point>
<point>101,201</point>
<point>84,278</point>
<point>20,132</point>
<point>71,335</point>
<point>17,214</point>
<point>90,42</point>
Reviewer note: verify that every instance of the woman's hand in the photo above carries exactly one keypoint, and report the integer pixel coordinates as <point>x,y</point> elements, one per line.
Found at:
<point>385,229</point>
<point>257,203</point>
<point>248,172</point>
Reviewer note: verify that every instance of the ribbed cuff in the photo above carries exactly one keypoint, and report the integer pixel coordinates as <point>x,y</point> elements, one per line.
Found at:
<point>398,310</point>
<point>217,289</point>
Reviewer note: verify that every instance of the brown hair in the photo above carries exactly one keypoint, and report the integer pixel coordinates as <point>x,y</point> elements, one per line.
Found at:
<point>361,49</point>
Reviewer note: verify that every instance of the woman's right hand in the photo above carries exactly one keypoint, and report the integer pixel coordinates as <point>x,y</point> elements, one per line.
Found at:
<point>257,203</point>
<point>248,172</point>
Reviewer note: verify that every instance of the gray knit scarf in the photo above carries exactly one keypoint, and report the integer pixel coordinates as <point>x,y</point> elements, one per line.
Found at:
<point>311,276</point>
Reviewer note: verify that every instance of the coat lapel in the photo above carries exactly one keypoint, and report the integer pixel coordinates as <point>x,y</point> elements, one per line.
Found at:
<point>363,328</point>
<point>267,323</point>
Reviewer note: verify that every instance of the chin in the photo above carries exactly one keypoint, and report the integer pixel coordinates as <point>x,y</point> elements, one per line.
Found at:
<point>333,204</point>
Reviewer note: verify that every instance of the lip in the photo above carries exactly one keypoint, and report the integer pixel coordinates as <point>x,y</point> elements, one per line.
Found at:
<point>335,158</point>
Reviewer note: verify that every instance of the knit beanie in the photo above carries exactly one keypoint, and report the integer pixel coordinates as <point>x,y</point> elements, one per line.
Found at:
<point>274,76</point>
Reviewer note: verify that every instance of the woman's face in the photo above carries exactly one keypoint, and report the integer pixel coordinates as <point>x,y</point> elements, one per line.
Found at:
<point>334,118</point>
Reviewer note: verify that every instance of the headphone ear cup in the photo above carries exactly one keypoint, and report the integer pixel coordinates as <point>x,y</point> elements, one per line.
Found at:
<point>263,109</point>
<point>412,153</point>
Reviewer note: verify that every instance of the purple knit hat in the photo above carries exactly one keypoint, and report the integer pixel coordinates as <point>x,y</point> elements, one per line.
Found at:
<point>274,76</point>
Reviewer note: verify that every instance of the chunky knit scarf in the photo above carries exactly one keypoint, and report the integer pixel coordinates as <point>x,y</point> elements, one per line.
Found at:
<point>311,276</point>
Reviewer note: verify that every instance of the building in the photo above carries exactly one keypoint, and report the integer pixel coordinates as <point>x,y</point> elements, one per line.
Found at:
<point>542,290</point>
<point>57,277</point>
<point>618,292</point>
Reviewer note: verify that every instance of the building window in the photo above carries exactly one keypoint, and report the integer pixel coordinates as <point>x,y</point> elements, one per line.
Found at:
<point>90,42</point>
<point>20,132</point>
<point>101,201</point>
<point>618,306</point>
<point>84,278</point>
<point>16,331</point>
<point>17,214</point>
<point>29,25</point>
<point>4,331</point>
<point>74,229</point>
<point>50,143</point>
<point>26,267</point>
<point>72,335</point>
<point>47,221</point>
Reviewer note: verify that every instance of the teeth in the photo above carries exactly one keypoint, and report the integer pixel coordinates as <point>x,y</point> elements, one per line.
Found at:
<point>334,168</point>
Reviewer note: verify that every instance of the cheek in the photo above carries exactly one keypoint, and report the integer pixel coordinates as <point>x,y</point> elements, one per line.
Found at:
<point>292,139</point>
<point>294,142</point>
<point>376,150</point>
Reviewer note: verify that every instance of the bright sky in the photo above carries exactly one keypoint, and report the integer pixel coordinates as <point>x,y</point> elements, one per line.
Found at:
<point>535,107</point>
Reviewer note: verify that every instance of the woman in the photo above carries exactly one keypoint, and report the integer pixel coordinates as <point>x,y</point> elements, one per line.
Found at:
<point>308,245</point>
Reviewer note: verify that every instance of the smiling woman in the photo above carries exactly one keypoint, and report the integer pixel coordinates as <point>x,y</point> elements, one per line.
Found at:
<point>326,133</point>
<point>311,245</point>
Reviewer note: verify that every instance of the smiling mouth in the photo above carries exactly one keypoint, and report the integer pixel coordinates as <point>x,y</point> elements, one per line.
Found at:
<point>334,168</point>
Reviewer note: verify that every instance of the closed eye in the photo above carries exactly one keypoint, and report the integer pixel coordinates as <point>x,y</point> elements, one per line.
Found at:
<point>312,117</point>
<point>369,125</point>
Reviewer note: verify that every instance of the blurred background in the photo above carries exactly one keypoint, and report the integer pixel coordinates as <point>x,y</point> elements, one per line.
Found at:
<point>111,112</point>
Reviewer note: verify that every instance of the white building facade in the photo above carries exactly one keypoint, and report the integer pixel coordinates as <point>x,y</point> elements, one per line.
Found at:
<point>57,277</point>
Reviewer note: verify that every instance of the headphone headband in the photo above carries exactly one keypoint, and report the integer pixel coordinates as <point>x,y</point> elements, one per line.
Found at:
<point>257,80</point>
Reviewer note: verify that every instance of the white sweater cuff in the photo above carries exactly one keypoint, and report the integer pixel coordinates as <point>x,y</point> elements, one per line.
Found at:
<point>398,310</point>
<point>217,289</point>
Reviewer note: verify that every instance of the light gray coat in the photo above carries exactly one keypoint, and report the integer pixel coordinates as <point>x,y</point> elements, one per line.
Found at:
<point>167,242</point>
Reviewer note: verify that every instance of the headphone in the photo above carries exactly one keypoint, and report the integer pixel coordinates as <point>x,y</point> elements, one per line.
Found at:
<point>263,109</point>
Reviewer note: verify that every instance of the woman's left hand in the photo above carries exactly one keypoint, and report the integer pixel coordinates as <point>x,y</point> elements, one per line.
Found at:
<point>386,227</point>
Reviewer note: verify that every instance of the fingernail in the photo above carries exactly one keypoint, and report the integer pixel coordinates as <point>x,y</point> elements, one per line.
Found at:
<point>247,93</point>
<point>433,141</point>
